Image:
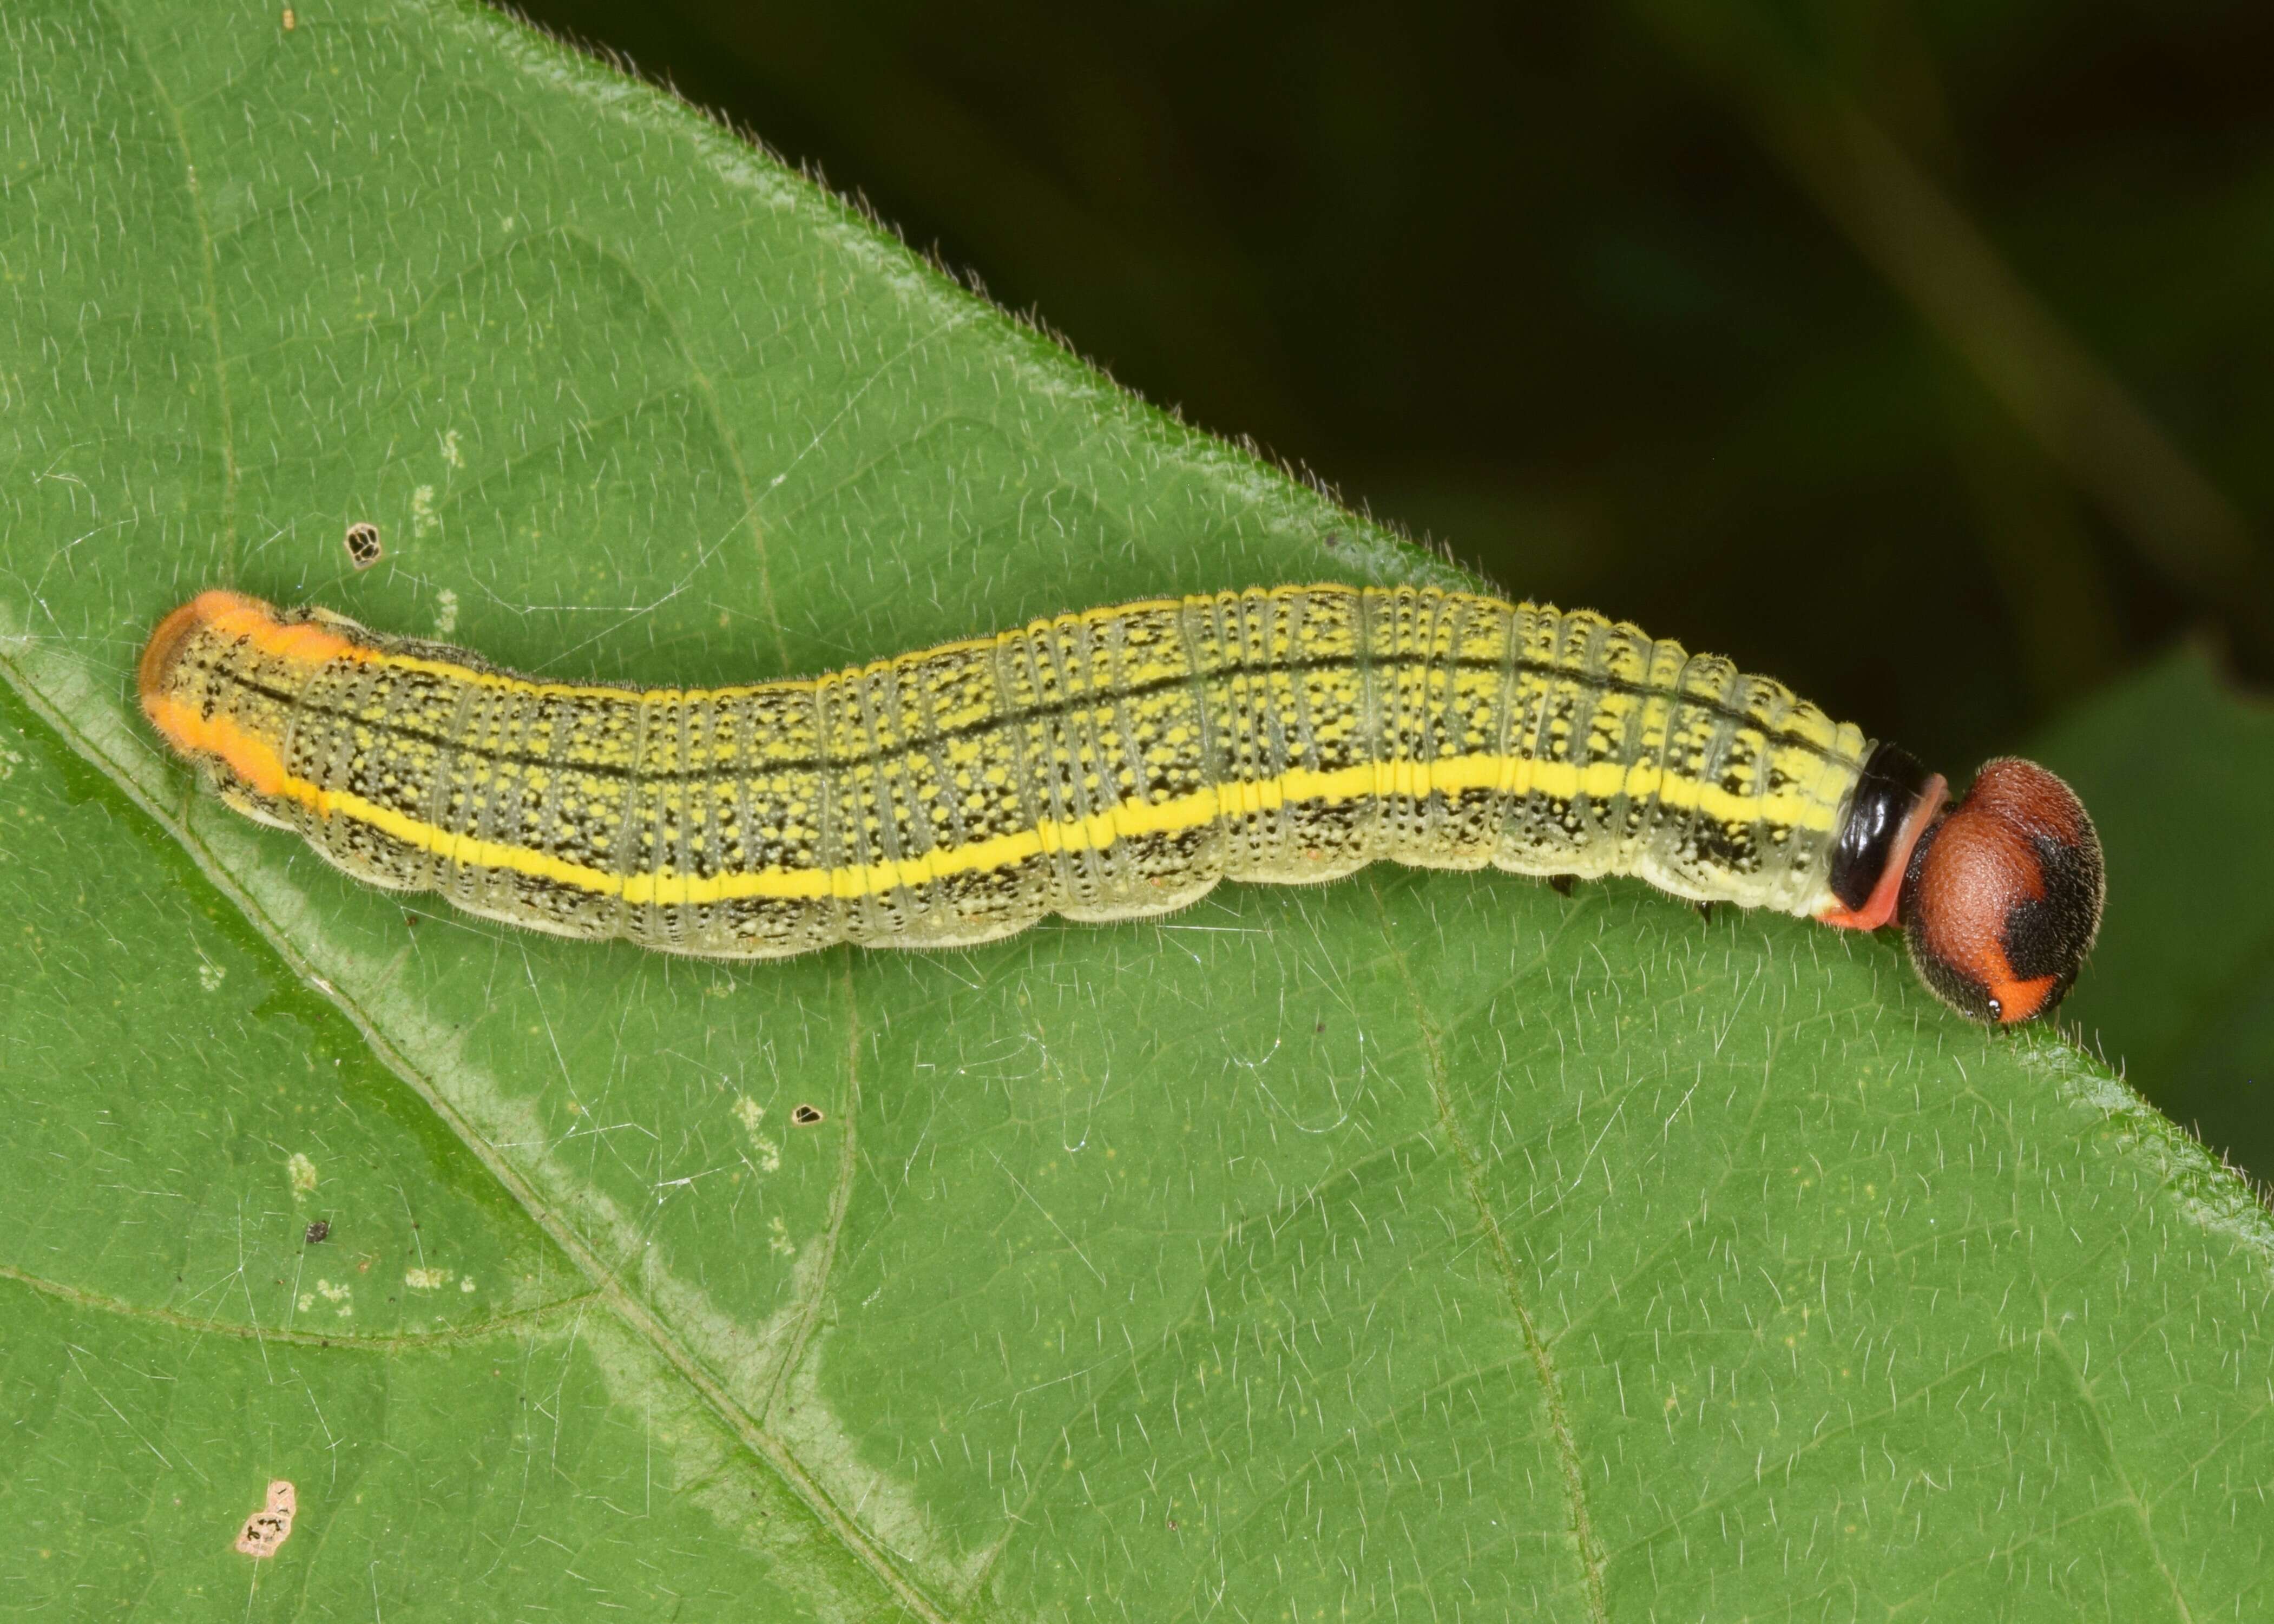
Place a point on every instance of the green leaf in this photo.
(1425, 1246)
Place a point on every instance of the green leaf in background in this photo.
(1425, 1246)
(2178, 770)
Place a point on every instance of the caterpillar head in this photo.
(2001, 898)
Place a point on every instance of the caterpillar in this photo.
(1116, 763)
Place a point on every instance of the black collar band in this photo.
(1892, 783)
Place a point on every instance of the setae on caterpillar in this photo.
(1116, 763)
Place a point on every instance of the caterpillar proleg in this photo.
(1116, 763)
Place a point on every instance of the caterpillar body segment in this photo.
(1103, 766)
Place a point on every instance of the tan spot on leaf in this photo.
(271, 1526)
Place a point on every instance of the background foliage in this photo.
(1426, 1243)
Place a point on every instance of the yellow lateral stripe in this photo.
(1521, 776)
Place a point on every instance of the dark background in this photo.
(1919, 354)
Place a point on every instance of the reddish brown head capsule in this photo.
(2001, 899)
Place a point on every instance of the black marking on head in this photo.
(2051, 935)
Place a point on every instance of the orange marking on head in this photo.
(2020, 1001)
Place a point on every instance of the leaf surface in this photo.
(1421, 1246)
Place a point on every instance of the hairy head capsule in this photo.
(2001, 899)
